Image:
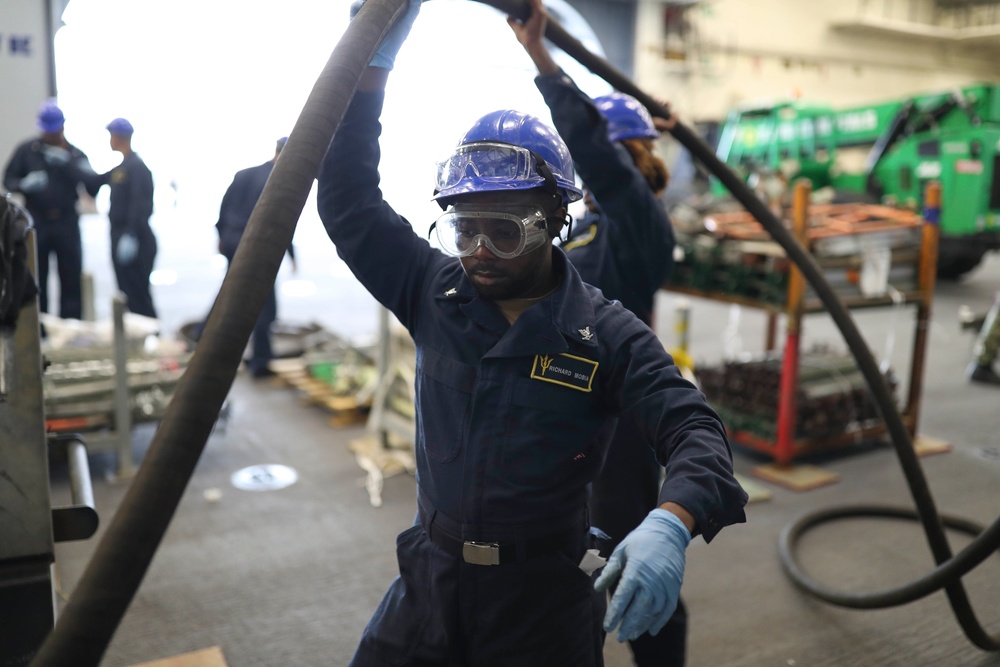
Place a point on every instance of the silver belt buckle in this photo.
(481, 553)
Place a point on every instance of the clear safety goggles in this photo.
(488, 161)
(506, 231)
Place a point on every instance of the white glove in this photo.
(128, 247)
(56, 155)
(34, 181)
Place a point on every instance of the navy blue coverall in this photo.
(131, 206)
(234, 213)
(626, 250)
(513, 423)
(56, 221)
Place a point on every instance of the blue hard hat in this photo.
(627, 117)
(120, 127)
(50, 117)
(508, 150)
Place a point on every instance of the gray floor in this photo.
(290, 577)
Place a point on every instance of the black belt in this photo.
(500, 552)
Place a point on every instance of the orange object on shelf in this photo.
(824, 221)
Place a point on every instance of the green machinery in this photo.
(887, 152)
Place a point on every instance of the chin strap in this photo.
(566, 220)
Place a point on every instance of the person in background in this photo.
(17, 285)
(234, 213)
(49, 172)
(133, 244)
(987, 347)
(521, 372)
(624, 246)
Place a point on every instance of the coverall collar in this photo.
(552, 326)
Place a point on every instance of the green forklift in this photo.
(886, 153)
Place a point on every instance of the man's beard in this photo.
(498, 287)
(501, 284)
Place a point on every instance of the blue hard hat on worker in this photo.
(507, 150)
(120, 127)
(51, 118)
(627, 117)
(504, 151)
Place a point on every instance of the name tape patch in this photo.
(566, 370)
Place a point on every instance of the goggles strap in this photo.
(569, 225)
(543, 170)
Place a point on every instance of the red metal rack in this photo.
(811, 225)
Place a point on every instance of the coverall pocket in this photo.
(553, 435)
(444, 392)
(400, 622)
(572, 569)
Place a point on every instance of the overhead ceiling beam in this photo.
(952, 4)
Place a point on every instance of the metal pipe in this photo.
(123, 408)
(930, 235)
(79, 520)
(81, 489)
(788, 394)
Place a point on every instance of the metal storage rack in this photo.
(105, 388)
(751, 271)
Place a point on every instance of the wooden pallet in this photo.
(345, 410)
(209, 657)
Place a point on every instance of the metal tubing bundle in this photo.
(832, 396)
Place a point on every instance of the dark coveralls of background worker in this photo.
(234, 213)
(133, 244)
(522, 370)
(48, 171)
(624, 246)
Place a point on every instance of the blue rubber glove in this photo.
(34, 181)
(385, 57)
(127, 249)
(650, 562)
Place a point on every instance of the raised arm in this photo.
(378, 245)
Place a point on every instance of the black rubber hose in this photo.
(951, 570)
(899, 435)
(88, 622)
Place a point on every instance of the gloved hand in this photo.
(650, 562)
(34, 181)
(128, 247)
(385, 57)
(56, 155)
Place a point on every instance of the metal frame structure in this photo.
(29, 524)
(785, 447)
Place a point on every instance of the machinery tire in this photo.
(953, 265)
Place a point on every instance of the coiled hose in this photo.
(947, 574)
